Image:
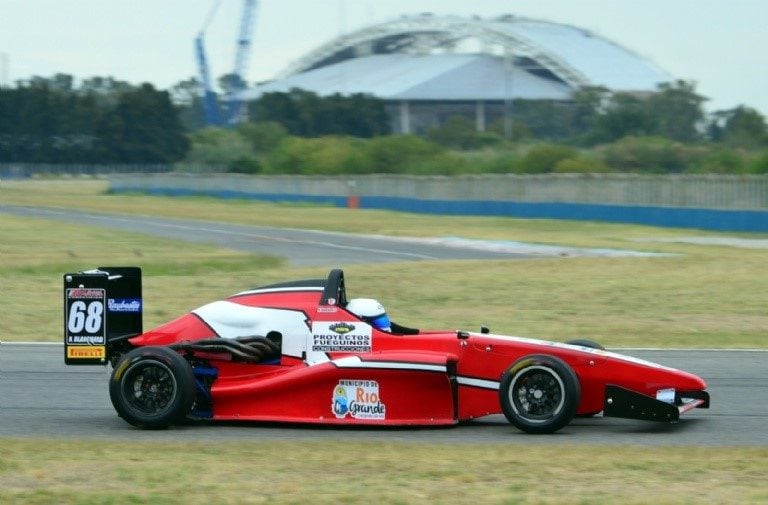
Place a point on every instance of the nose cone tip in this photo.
(694, 383)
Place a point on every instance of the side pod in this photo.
(621, 402)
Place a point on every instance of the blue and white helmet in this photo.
(370, 311)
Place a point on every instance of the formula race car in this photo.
(301, 352)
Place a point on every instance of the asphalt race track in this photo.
(40, 396)
(302, 247)
(299, 247)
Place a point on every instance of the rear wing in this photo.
(102, 309)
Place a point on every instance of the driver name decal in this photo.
(358, 399)
(340, 337)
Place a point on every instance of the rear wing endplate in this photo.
(100, 307)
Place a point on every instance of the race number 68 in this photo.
(85, 316)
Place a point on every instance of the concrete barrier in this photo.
(717, 202)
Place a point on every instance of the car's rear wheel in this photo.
(152, 387)
(539, 394)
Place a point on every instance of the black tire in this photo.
(585, 342)
(539, 394)
(152, 387)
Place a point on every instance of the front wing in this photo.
(622, 402)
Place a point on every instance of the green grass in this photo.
(92, 195)
(702, 296)
(91, 471)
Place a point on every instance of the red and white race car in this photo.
(297, 352)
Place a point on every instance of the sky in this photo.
(719, 45)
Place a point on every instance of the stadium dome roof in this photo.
(429, 57)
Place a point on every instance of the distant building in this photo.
(429, 67)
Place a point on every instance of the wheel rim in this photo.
(149, 387)
(537, 393)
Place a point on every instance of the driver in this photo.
(370, 311)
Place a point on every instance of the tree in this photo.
(649, 154)
(400, 153)
(543, 119)
(625, 115)
(105, 86)
(230, 83)
(306, 114)
(263, 137)
(280, 108)
(219, 148)
(49, 120)
(321, 155)
(150, 129)
(745, 127)
(585, 113)
(186, 95)
(457, 132)
(678, 111)
(544, 158)
(358, 115)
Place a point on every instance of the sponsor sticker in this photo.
(87, 352)
(358, 399)
(85, 293)
(124, 304)
(341, 337)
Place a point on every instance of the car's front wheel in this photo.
(539, 394)
(152, 387)
(585, 342)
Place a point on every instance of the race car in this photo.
(301, 352)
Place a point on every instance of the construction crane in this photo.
(233, 99)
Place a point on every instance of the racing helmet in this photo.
(370, 311)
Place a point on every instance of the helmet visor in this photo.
(381, 322)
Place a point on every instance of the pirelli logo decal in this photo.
(87, 352)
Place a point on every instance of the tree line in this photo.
(102, 120)
(50, 120)
(598, 131)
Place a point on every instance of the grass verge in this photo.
(702, 296)
(90, 471)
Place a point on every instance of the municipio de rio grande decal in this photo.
(358, 399)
